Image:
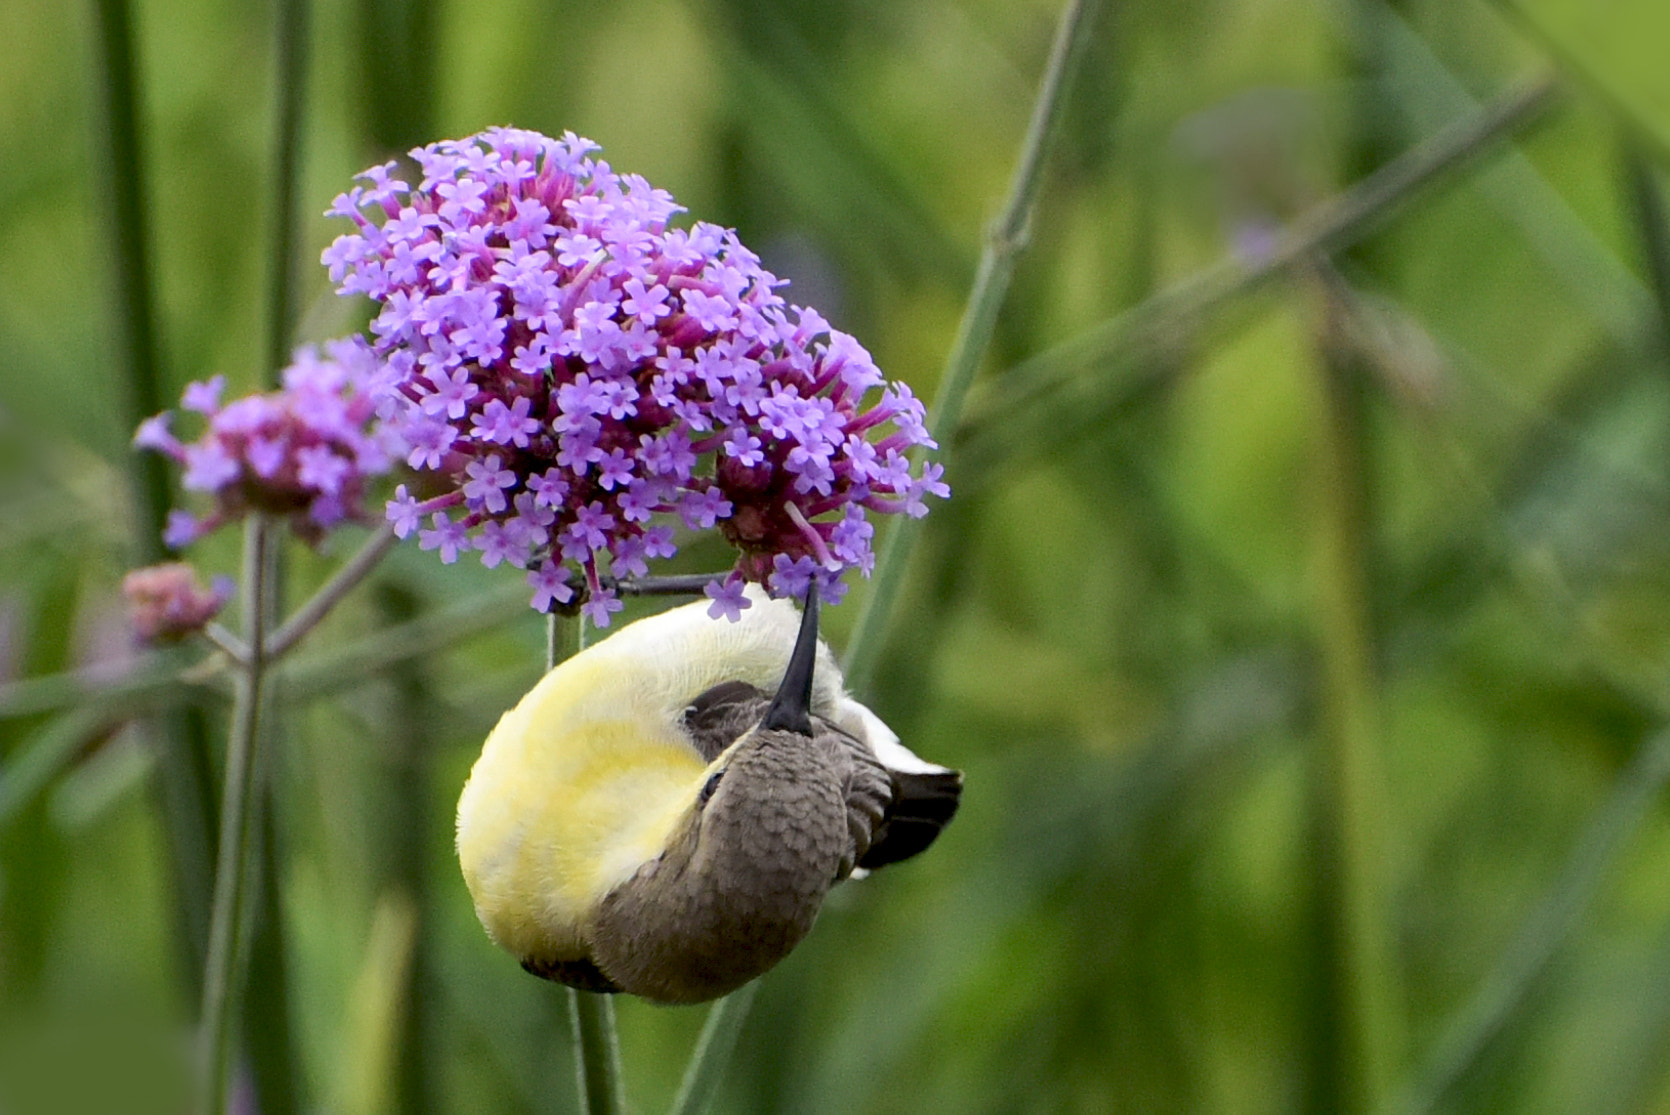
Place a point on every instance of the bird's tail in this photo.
(923, 803)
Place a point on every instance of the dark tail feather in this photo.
(923, 804)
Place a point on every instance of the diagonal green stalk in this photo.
(1047, 399)
(94, 687)
(596, 1047)
(1491, 1007)
(237, 824)
(713, 1050)
(1004, 244)
(1653, 228)
(168, 679)
(318, 606)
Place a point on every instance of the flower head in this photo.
(167, 602)
(304, 451)
(580, 375)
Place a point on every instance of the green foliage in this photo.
(1402, 507)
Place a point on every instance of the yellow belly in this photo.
(558, 813)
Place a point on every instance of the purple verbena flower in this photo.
(728, 599)
(446, 536)
(304, 452)
(550, 585)
(581, 377)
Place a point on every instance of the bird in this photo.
(665, 811)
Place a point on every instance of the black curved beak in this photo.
(790, 709)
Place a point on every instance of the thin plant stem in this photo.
(1004, 244)
(1653, 229)
(1046, 400)
(1347, 782)
(1522, 965)
(414, 1075)
(343, 581)
(275, 1073)
(597, 1069)
(266, 1001)
(678, 584)
(597, 1053)
(168, 679)
(1005, 241)
(237, 824)
(181, 739)
(95, 686)
(290, 88)
(228, 642)
(130, 239)
(330, 671)
(713, 1050)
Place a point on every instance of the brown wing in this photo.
(890, 821)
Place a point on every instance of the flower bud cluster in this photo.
(167, 602)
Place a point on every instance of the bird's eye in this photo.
(708, 787)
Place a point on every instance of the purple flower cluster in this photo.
(304, 451)
(581, 377)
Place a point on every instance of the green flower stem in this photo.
(331, 671)
(1004, 244)
(596, 1046)
(237, 824)
(597, 1053)
(275, 1072)
(227, 642)
(308, 616)
(168, 679)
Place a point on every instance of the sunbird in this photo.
(664, 812)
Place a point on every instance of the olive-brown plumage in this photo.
(799, 788)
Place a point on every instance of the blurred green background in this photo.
(1303, 641)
